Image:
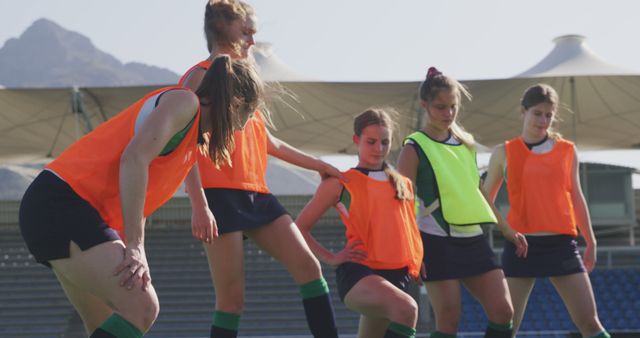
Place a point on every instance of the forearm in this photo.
(133, 186)
(193, 187)
(584, 220)
(501, 223)
(322, 253)
(287, 153)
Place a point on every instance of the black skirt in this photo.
(455, 258)
(238, 210)
(554, 255)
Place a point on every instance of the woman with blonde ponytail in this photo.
(231, 201)
(383, 250)
(440, 160)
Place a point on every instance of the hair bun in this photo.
(433, 71)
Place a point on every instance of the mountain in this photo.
(47, 55)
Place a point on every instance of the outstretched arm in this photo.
(287, 153)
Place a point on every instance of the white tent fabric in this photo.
(282, 178)
(36, 123)
(601, 101)
(605, 99)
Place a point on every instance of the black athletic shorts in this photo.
(52, 215)
(349, 274)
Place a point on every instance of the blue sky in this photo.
(353, 40)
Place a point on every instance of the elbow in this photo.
(131, 158)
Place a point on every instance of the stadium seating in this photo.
(32, 303)
(617, 293)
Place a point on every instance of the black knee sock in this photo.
(225, 325)
(498, 330)
(219, 332)
(318, 309)
(100, 333)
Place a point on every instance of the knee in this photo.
(230, 300)
(306, 269)
(447, 317)
(405, 311)
(501, 313)
(143, 310)
(151, 311)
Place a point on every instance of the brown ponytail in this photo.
(380, 117)
(232, 90)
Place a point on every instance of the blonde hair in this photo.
(218, 15)
(381, 117)
(543, 93)
(436, 82)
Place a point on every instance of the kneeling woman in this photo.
(384, 249)
(84, 215)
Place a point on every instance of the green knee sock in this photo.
(498, 330)
(399, 330)
(438, 334)
(602, 334)
(225, 325)
(120, 327)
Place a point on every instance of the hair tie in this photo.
(433, 71)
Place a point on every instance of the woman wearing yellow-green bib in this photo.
(440, 159)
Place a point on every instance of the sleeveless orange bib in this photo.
(540, 187)
(91, 166)
(385, 225)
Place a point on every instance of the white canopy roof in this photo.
(605, 99)
(573, 57)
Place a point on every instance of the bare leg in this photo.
(490, 289)
(577, 295)
(283, 241)
(520, 289)
(445, 300)
(372, 327)
(91, 271)
(226, 264)
(375, 297)
(92, 310)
